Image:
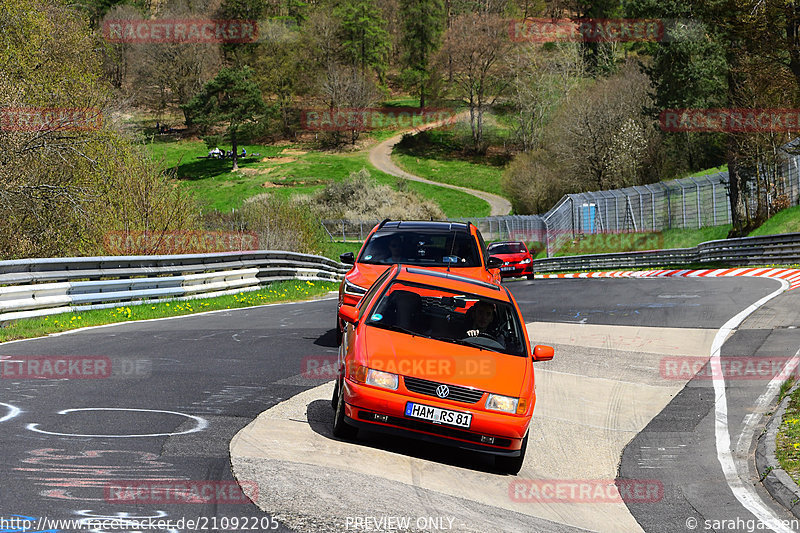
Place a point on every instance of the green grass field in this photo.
(440, 159)
(788, 439)
(286, 171)
(629, 242)
(786, 221)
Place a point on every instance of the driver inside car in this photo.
(480, 319)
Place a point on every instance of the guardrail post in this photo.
(344, 238)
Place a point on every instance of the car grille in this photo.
(428, 388)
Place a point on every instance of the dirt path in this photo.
(381, 157)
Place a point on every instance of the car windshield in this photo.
(457, 249)
(506, 248)
(458, 318)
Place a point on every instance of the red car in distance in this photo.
(517, 259)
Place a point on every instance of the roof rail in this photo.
(384, 221)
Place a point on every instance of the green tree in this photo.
(365, 42)
(423, 24)
(742, 55)
(64, 183)
(231, 98)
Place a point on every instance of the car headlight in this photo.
(495, 402)
(352, 288)
(385, 380)
(525, 261)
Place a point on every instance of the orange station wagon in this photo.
(440, 357)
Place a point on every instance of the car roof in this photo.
(424, 225)
(450, 281)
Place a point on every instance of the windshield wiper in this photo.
(471, 345)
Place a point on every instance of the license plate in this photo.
(506, 269)
(438, 416)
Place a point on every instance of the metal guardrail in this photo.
(38, 287)
(767, 250)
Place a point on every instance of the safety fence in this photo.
(751, 251)
(510, 227)
(37, 287)
(693, 202)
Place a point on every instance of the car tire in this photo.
(338, 333)
(335, 397)
(530, 276)
(512, 465)
(342, 429)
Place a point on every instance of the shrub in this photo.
(359, 197)
(281, 225)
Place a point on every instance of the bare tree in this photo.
(476, 50)
(345, 90)
(599, 138)
(157, 75)
(601, 134)
(541, 78)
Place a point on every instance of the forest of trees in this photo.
(584, 115)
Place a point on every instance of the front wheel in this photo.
(512, 465)
(335, 397)
(342, 429)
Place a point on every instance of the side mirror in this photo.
(493, 262)
(543, 353)
(348, 313)
(348, 258)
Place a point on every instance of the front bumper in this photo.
(518, 270)
(363, 403)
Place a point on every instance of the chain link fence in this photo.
(529, 228)
(693, 202)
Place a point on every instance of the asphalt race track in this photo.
(185, 394)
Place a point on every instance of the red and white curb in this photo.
(791, 275)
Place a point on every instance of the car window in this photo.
(506, 248)
(458, 318)
(423, 248)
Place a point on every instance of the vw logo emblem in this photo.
(442, 391)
